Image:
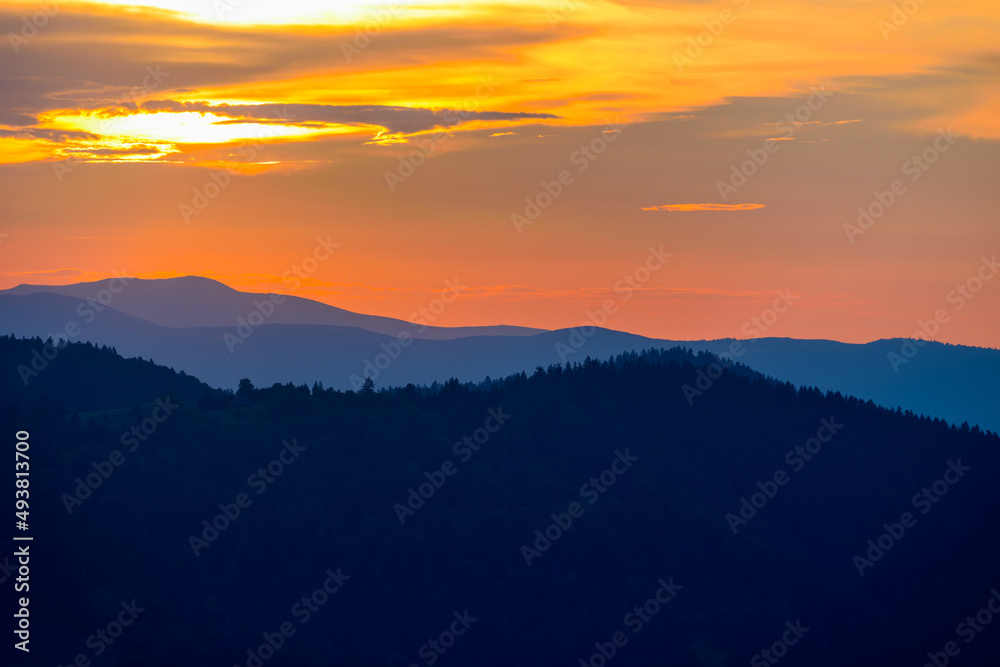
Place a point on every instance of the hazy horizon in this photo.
(588, 322)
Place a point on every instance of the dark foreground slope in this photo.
(630, 483)
(83, 376)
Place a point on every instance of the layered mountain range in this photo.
(220, 335)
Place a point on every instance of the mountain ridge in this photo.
(956, 383)
(191, 301)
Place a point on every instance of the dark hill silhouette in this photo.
(663, 473)
(956, 382)
(82, 377)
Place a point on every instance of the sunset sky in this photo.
(532, 151)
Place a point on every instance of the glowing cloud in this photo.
(704, 207)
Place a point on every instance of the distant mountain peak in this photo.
(197, 301)
(179, 281)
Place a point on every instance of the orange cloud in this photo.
(704, 207)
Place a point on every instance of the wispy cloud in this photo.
(55, 272)
(392, 118)
(703, 207)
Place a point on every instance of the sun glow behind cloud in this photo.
(309, 12)
(602, 61)
(184, 127)
(15, 149)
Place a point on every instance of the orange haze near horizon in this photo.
(539, 153)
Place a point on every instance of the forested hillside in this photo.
(541, 519)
